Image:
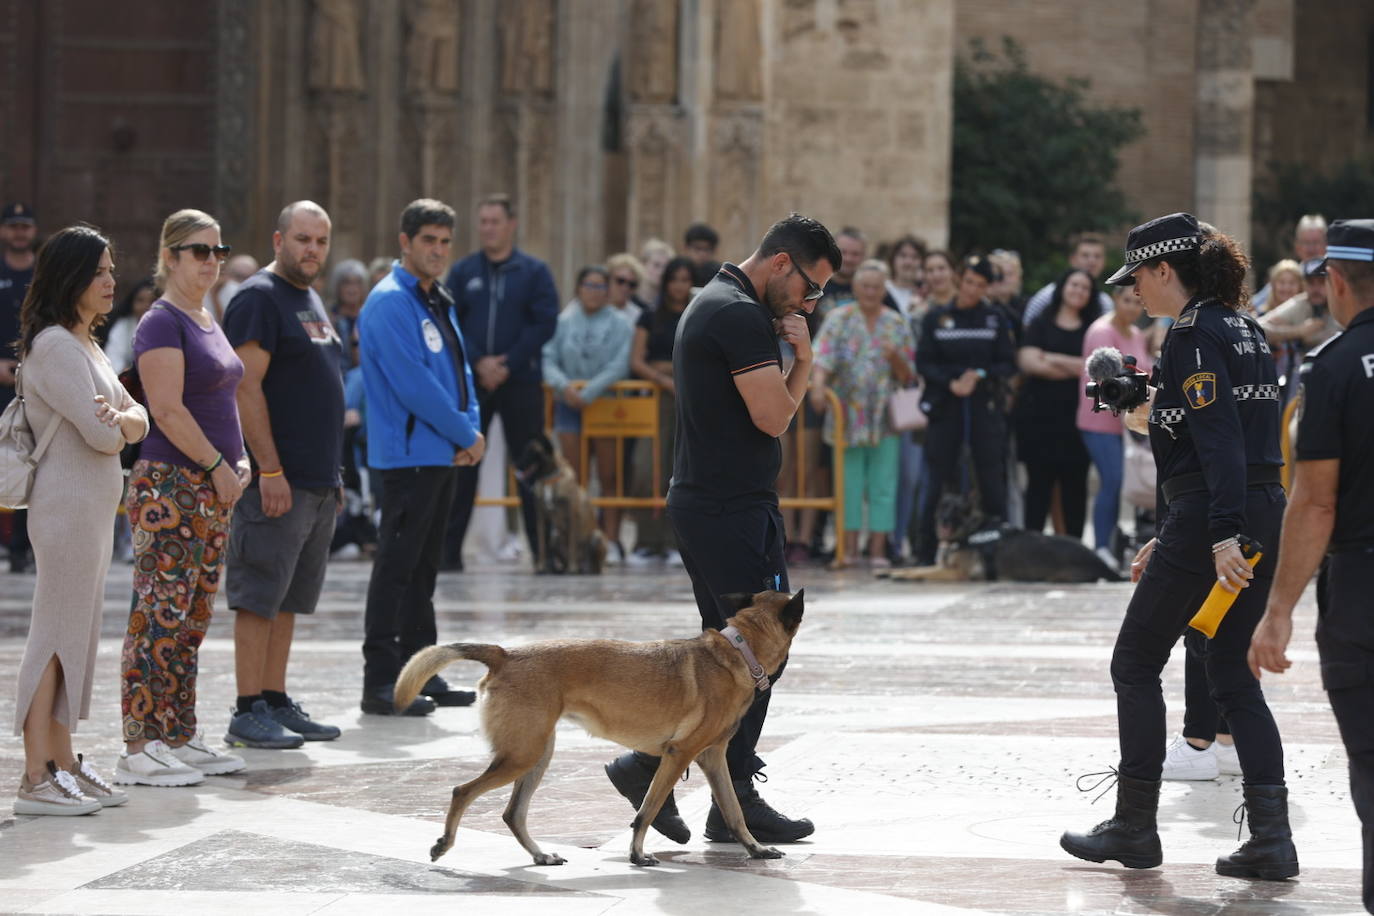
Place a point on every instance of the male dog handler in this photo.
(1332, 514)
(733, 403)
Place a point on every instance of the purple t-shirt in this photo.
(213, 371)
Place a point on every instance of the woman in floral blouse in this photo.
(864, 353)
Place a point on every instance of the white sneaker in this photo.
(57, 795)
(93, 785)
(1228, 763)
(1106, 556)
(642, 557)
(207, 760)
(1183, 762)
(155, 765)
(674, 558)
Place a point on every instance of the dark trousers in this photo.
(521, 406)
(1072, 477)
(1177, 580)
(399, 620)
(987, 438)
(1201, 718)
(1345, 639)
(725, 553)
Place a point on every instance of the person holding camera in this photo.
(1214, 430)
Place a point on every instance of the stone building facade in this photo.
(612, 121)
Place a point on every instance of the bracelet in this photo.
(219, 459)
(277, 473)
(1219, 546)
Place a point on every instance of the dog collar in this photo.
(736, 639)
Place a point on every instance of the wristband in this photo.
(1219, 546)
(219, 459)
(277, 473)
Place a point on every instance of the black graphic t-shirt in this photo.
(304, 381)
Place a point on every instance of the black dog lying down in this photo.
(974, 547)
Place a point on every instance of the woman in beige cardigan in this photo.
(76, 491)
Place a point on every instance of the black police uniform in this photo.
(953, 340)
(1214, 431)
(1337, 407)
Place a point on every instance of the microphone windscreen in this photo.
(1104, 363)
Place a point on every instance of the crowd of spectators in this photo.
(1001, 372)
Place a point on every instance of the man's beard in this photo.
(291, 270)
(774, 299)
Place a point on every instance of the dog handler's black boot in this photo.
(1269, 853)
(631, 775)
(766, 824)
(1131, 836)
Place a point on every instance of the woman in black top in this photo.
(1047, 440)
(651, 359)
(1214, 431)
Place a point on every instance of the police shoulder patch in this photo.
(1187, 319)
(1200, 389)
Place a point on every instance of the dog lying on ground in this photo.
(567, 540)
(679, 699)
(974, 548)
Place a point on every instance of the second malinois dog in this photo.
(679, 699)
(974, 548)
(567, 539)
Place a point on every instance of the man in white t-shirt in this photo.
(1090, 255)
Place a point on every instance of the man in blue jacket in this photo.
(507, 306)
(422, 424)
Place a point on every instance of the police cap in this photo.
(1349, 240)
(983, 268)
(1161, 236)
(17, 213)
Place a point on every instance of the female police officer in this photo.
(1214, 430)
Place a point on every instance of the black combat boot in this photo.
(1269, 853)
(631, 775)
(766, 824)
(1130, 836)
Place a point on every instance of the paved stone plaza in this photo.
(932, 733)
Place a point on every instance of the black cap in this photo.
(17, 213)
(1161, 236)
(1348, 240)
(983, 268)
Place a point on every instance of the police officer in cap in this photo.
(1332, 516)
(1214, 430)
(966, 353)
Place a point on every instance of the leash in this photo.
(736, 639)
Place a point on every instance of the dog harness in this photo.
(736, 639)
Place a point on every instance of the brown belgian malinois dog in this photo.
(679, 699)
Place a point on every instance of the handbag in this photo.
(19, 454)
(904, 409)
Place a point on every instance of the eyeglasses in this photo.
(631, 282)
(592, 285)
(814, 292)
(201, 251)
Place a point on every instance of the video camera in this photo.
(1116, 384)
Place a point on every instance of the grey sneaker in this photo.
(93, 785)
(257, 728)
(295, 719)
(200, 756)
(155, 765)
(59, 795)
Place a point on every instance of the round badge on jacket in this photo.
(433, 339)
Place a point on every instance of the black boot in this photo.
(1130, 836)
(631, 775)
(767, 825)
(1269, 853)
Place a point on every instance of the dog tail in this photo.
(428, 662)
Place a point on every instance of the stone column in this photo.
(235, 120)
(1225, 104)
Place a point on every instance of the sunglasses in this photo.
(813, 292)
(627, 281)
(201, 251)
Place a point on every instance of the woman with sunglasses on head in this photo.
(1213, 422)
(67, 379)
(191, 470)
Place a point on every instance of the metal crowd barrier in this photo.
(629, 410)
